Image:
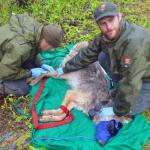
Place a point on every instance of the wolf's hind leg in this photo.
(66, 102)
(46, 118)
(58, 114)
(52, 112)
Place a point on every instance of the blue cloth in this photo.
(107, 129)
(102, 133)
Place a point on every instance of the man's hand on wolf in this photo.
(47, 68)
(38, 73)
(60, 71)
(51, 69)
(44, 71)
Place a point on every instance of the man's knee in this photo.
(143, 101)
(16, 87)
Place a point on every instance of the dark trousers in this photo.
(143, 101)
(17, 87)
(105, 62)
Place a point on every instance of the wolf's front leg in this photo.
(59, 114)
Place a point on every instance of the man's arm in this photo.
(130, 86)
(12, 60)
(84, 57)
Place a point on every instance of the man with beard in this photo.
(123, 50)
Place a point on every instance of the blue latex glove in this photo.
(47, 67)
(36, 72)
(107, 129)
(60, 72)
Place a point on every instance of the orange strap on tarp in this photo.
(38, 126)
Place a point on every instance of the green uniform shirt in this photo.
(18, 43)
(130, 57)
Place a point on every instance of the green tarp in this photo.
(79, 134)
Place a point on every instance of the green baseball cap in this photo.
(104, 10)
